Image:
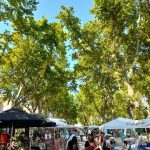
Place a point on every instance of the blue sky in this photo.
(51, 8)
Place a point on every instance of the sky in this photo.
(51, 8)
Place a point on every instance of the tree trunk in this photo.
(148, 2)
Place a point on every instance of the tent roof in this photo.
(58, 122)
(93, 126)
(125, 123)
(78, 125)
(20, 118)
(15, 114)
(119, 123)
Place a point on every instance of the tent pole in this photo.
(147, 134)
(29, 140)
(54, 132)
(11, 135)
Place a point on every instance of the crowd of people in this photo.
(66, 139)
(98, 142)
(61, 139)
(91, 140)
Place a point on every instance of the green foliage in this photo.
(33, 66)
(15, 10)
(112, 52)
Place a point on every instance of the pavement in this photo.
(81, 144)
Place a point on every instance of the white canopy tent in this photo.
(119, 123)
(78, 125)
(93, 126)
(146, 122)
(59, 122)
(143, 123)
(125, 123)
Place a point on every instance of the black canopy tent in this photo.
(21, 119)
(17, 118)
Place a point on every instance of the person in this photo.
(23, 140)
(62, 139)
(113, 143)
(86, 133)
(48, 135)
(48, 139)
(89, 132)
(73, 144)
(86, 144)
(106, 143)
(122, 136)
(66, 138)
(81, 134)
(101, 140)
(57, 142)
(139, 142)
(13, 145)
(91, 145)
(128, 133)
(116, 133)
(4, 139)
(71, 135)
(36, 135)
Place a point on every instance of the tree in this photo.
(111, 52)
(34, 67)
(12, 11)
(15, 10)
(127, 23)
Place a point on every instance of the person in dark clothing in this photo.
(86, 144)
(113, 143)
(73, 144)
(106, 144)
